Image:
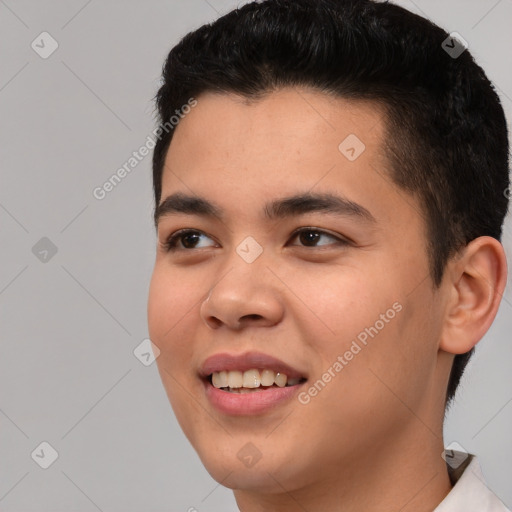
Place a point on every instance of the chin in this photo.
(245, 479)
(265, 474)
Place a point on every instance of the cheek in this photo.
(392, 360)
(343, 302)
(173, 314)
(173, 306)
(172, 295)
(368, 332)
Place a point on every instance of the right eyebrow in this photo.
(189, 205)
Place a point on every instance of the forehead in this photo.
(290, 114)
(294, 134)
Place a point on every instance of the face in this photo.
(288, 260)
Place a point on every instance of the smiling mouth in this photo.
(250, 381)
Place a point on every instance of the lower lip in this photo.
(254, 402)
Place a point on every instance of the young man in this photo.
(329, 214)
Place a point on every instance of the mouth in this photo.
(253, 380)
(250, 383)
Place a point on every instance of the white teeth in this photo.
(220, 379)
(235, 379)
(267, 377)
(280, 379)
(251, 379)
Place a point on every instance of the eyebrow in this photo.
(295, 205)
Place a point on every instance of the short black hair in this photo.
(446, 142)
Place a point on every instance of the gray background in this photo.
(70, 323)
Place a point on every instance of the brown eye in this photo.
(310, 237)
(189, 240)
(185, 239)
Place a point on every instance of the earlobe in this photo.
(477, 280)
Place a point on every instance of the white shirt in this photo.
(470, 493)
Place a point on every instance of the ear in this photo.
(476, 280)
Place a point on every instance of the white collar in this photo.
(470, 491)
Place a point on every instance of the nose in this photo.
(246, 295)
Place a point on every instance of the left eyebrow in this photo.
(295, 205)
(320, 203)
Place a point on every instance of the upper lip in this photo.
(246, 361)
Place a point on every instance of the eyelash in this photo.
(170, 244)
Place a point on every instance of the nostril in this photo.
(251, 317)
(214, 322)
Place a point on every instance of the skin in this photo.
(372, 438)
